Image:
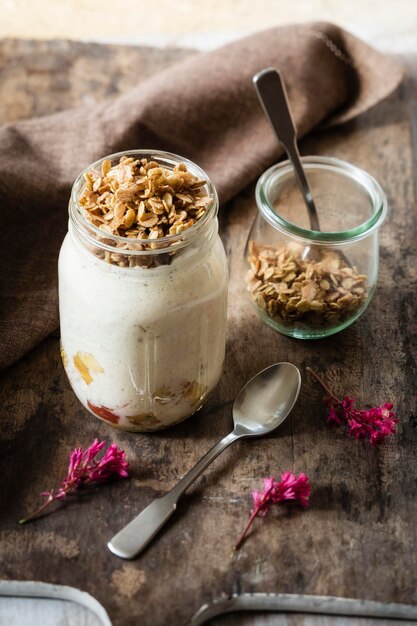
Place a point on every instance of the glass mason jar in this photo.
(143, 322)
(305, 283)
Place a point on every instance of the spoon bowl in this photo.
(266, 400)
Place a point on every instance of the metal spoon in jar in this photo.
(260, 407)
(273, 97)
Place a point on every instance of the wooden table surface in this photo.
(359, 536)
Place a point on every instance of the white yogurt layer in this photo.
(142, 347)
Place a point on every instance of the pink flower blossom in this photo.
(84, 469)
(374, 424)
(290, 487)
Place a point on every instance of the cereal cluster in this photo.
(138, 199)
(317, 290)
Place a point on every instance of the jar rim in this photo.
(165, 244)
(373, 188)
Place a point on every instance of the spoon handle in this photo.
(273, 97)
(134, 537)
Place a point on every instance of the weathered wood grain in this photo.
(358, 538)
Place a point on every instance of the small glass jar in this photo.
(143, 322)
(310, 284)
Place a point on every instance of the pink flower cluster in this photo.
(374, 424)
(85, 468)
(290, 487)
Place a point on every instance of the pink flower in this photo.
(374, 424)
(333, 417)
(85, 468)
(290, 487)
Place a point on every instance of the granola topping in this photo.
(296, 290)
(141, 199)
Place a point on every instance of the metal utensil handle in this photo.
(303, 183)
(134, 537)
(273, 97)
(309, 605)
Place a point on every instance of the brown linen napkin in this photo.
(204, 108)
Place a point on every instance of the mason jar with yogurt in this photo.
(143, 290)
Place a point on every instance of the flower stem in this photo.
(323, 384)
(38, 511)
(245, 530)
